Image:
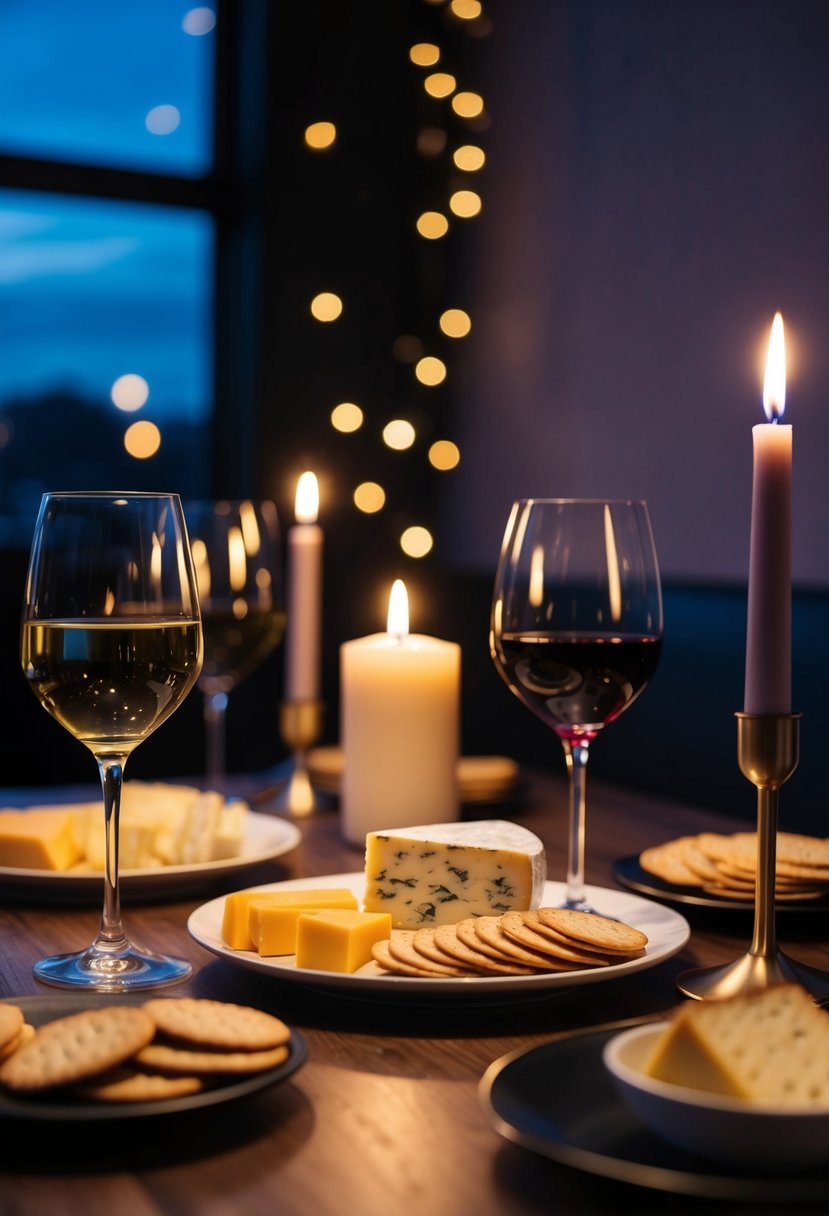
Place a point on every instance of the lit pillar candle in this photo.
(304, 596)
(399, 727)
(769, 636)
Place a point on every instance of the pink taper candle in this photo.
(769, 638)
(304, 608)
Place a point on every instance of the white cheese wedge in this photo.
(768, 1046)
(440, 873)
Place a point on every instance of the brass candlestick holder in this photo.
(300, 726)
(768, 750)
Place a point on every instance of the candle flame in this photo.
(774, 385)
(307, 505)
(536, 591)
(398, 619)
(614, 582)
(237, 566)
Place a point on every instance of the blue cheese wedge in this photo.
(441, 873)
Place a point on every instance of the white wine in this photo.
(111, 682)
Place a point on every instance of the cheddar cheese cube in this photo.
(272, 927)
(339, 940)
(38, 839)
(236, 931)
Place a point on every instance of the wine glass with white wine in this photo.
(111, 645)
(576, 628)
(237, 556)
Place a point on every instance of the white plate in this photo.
(666, 930)
(266, 837)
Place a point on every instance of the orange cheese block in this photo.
(236, 928)
(339, 940)
(39, 839)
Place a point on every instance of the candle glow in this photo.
(307, 501)
(774, 384)
(397, 621)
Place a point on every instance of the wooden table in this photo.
(384, 1117)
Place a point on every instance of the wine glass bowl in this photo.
(576, 628)
(111, 645)
(237, 557)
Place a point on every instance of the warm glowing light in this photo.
(432, 225)
(397, 621)
(416, 541)
(431, 141)
(466, 10)
(468, 105)
(162, 120)
(346, 417)
(199, 21)
(398, 434)
(407, 348)
(326, 306)
(455, 323)
(142, 440)
(236, 563)
(129, 392)
(430, 370)
(444, 455)
(424, 54)
(614, 583)
(536, 588)
(320, 135)
(440, 84)
(774, 385)
(465, 203)
(369, 497)
(469, 157)
(201, 564)
(250, 528)
(307, 501)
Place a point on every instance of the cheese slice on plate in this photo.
(440, 873)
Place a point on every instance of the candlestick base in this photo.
(300, 725)
(767, 753)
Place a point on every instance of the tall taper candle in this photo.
(769, 635)
(304, 598)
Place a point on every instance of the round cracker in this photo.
(447, 938)
(217, 1024)
(600, 932)
(382, 956)
(78, 1046)
(126, 1084)
(488, 929)
(425, 943)
(401, 947)
(522, 928)
(666, 861)
(162, 1057)
(24, 1034)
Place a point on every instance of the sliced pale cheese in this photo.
(440, 873)
(236, 919)
(38, 839)
(339, 940)
(770, 1046)
(229, 833)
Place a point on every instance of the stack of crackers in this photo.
(726, 865)
(515, 943)
(165, 1048)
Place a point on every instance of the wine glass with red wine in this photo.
(576, 628)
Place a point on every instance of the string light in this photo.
(430, 370)
(398, 434)
(440, 84)
(468, 105)
(320, 135)
(424, 54)
(369, 497)
(455, 323)
(347, 417)
(465, 203)
(142, 440)
(469, 157)
(444, 455)
(416, 541)
(326, 306)
(432, 225)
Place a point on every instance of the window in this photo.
(108, 242)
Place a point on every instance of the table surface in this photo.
(384, 1116)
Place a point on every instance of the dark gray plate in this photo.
(559, 1100)
(628, 873)
(42, 1009)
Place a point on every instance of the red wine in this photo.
(577, 684)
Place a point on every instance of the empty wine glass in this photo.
(576, 628)
(110, 645)
(237, 555)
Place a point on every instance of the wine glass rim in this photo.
(610, 502)
(111, 494)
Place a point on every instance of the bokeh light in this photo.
(369, 497)
(142, 440)
(424, 54)
(465, 204)
(444, 455)
(346, 417)
(440, 84)
(416, 541)
(162, 120)
(469, 157)
(455, 323)
(320, 135)
(129, 392)
(326, 306)
(398, 434)
(199, 20)
(432, 225)
(430, 370)
(468, 105)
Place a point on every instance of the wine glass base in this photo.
(122, 971)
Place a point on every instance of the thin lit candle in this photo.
(768, 640)
(304, 602)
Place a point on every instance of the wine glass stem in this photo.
(215, 707)
(111, 936)
(576, 753)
